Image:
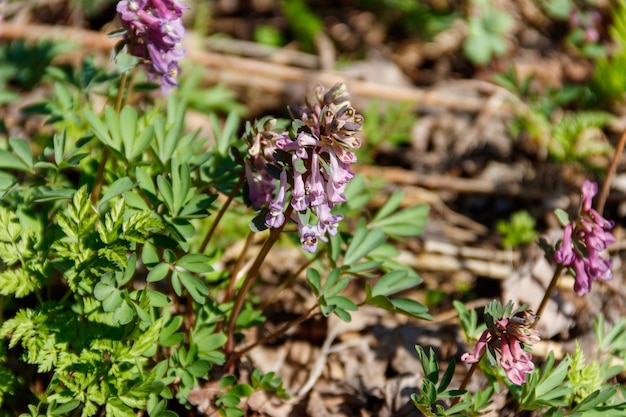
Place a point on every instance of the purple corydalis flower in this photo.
(275, 217)
(261, 147)
(316, 154)
(584, 243)
(506, 339)
(154, 32)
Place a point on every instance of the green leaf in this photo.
(159, 272)
(157, 299)
(119, 187)
(180, 184)
(364, 266)
(363, 243)
(145, 182)
(314, 279)
(412, 307)
(551, 380)
(394, 282)
(197, 206)
(240, 390)
(150, 256)
(124, 314)
(22, 150)
(64, 95)
(391, 205)
(113, 124)
(195, 262)
(166, 192)
(330, 281)
(169, 333)
(9, 161)
(197, 289)
(99, 128)
(343, 303)
(199, 368)
(65, 408)
(128, 129)
(447, 377)
(562, 216)
(207, 340)
(124, 63)
(110, 296)
(59, 141)
(141, 143)
(129, 272)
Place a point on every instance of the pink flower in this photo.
(584, 243)
(506, 339)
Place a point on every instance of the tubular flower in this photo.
(505, 339)
(260, 155)
(584, 243)
(316, 155)
(154, 32)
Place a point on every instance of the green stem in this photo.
(235, 272)
(220, 214)
(250, 278)
(97, 184)
(119, 100)
(549, 290)
(610, 173)
(466, 380)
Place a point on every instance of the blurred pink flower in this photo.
(154, 32)
(506, 339)
(584, 243)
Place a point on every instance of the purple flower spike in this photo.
(154, 32)
(316, 154)
(584, 243)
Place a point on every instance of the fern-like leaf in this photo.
(17, 282)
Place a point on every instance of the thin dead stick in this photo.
(273, 78)
(610, 173)
(448, 182)
(320, 362)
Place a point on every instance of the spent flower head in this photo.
(507, 336)
(305, 171)
(584, 243)
(154, 32)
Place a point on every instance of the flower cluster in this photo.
(584, 243)
(304, 172)
(505, 339)
(154, 31)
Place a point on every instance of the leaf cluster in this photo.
(487, 30)
(111, 303)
